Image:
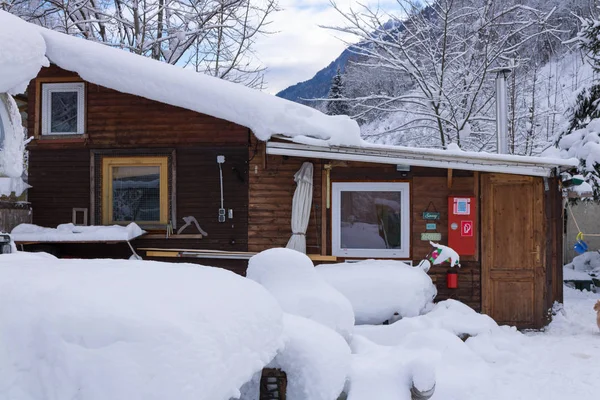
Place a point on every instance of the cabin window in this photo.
(135, 189)
(63, 108)
(370, 219)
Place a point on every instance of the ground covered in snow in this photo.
(98, 329)
(138, 330)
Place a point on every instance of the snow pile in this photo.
(449, 315)
(72, 233)
(385, 373)
(139, 330)
(588, 263)
(291, 277)
(315, 359)
(378, 289)
(22, 53)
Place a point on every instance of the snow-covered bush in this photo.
(291, 277)
(138, 330)
(588, 263)
(379, 288)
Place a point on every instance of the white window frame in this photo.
(47, 90)
(336, 216)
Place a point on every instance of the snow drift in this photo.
(291, 277)
(108, 329)
(379, 288)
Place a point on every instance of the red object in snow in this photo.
(462, 234)
(452, 279)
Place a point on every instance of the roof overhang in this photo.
(431, 158)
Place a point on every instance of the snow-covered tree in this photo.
(447, 50)
(336, 104)
(581, 138)
(215, 36)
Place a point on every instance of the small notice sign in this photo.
(431, 215)
(466, 228)
(435, 236)
(430, 227)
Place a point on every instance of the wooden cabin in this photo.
(101, 156)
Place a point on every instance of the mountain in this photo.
(318, 86)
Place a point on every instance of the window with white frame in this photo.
(370, 219)
(63, 108)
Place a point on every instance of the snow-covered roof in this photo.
(453, 158)
(266, 115)
(22, 53)
(126, 72)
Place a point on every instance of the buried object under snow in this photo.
(291, 278)
(378, 289)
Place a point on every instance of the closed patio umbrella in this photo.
(301, 205)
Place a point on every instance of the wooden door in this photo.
(513, 275)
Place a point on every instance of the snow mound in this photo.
(139, 330)
(291, 277)
(72, 233)
(22, 53)
(449, 315)
(588, 263)
(379, 288)
(315, 358)
(385, 373)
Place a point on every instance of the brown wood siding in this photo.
(272, 188)
(120, 120)
(60, 181)
(270, 198)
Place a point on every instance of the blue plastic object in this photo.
(580, 246)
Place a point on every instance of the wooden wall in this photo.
(270, 201)
(123, 124)
(272, 188)
(115, 119)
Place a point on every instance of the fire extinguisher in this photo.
(452, 278)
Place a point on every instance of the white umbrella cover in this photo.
(301, 205)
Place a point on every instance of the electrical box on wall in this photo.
(462, 227)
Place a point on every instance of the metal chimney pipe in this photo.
(502, 111)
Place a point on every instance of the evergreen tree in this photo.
(337, 106)
(581, 138)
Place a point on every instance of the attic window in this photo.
(63, 108)
(370, 219)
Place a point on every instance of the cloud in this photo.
(300, 47)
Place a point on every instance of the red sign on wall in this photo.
(462, 215)
(466, 228)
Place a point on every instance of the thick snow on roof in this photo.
(22, 53)
(126, 72)
(138, 330)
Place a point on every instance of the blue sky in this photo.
(300, 48)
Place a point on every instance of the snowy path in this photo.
(561, 363)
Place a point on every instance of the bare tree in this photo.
(447, 50)
(218, 34)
